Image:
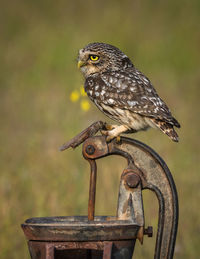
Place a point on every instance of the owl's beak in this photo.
(81, 63)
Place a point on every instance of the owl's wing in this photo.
(130, 90)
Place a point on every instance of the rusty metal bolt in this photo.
(132, 180)
(148, 231)
(90, 150)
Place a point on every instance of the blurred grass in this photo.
(38, 47)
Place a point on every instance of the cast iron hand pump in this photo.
(111, 237)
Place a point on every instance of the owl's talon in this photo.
(115, 133)
(109, 138)
(110, 127)
(118, 138)
(104, 132)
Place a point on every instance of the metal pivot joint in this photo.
(113, 237)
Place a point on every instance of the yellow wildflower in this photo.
(85, 105)
(74, 96)
(82, 91)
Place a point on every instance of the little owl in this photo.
(122, 92)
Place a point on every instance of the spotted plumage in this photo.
(122, 92)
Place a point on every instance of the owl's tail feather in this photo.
(176, 123)
(168, 129)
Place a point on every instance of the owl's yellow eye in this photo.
(94, 57)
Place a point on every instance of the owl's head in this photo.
(101, 57)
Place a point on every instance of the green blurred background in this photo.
(39, 42)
